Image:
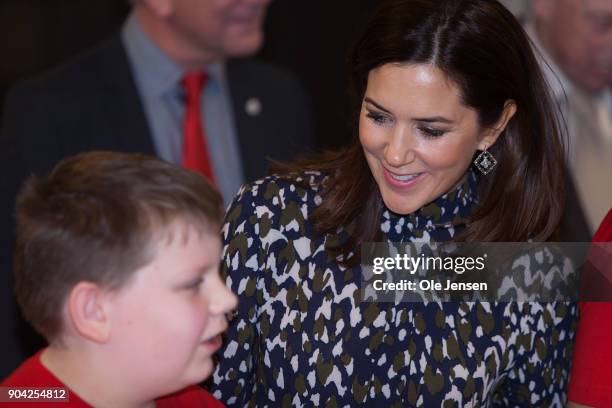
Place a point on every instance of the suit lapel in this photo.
(248, 128)
(130, 132)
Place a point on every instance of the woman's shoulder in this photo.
(282, 190)
(277, 201)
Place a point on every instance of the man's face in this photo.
(578, 35)
(220, 28)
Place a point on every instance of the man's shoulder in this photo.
(76, 76)
(283, 117)
(262, 73)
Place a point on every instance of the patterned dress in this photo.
(301, 337)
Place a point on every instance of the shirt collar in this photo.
(154, 70)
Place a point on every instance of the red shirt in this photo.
(33, 374)
(591, 378)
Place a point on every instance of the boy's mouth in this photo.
(214, 343)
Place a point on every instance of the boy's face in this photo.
(167, 322)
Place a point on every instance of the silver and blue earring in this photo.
(485, 162)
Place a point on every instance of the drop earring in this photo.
(485, 162)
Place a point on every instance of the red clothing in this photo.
(33, 374)
(591, 378)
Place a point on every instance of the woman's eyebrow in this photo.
(432, 119)
(438, 119)
(377, 105)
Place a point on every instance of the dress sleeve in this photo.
(241, 267)
(542, 353)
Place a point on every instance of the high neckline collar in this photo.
(447, 211)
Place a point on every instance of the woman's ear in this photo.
(490, 136)
(87, 311)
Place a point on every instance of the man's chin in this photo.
(244, 46)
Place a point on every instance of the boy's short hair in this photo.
(97, 217)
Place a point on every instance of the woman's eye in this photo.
(377, 118)
(431, 132)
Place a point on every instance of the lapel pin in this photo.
(253, 106)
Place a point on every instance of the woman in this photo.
(436, 83)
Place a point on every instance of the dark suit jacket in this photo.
(92, 103)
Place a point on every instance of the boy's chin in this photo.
(197, 371)
(201, 373)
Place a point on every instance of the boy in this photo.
(117, 267)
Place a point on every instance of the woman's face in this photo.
(417, 135)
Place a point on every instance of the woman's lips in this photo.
(403, 181)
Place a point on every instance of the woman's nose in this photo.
(400, 148)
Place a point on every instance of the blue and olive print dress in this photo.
(301, 338)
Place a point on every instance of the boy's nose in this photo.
(223, 300)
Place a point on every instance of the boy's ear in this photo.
(491, 135)
(87, 312)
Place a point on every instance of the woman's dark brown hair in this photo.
(480, 46)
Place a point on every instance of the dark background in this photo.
(310, 38)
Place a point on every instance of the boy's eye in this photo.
(431, 132)
(377, 118)
(195, 285)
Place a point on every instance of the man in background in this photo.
(170, 83)
(575, 40)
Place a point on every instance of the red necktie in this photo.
(195, 151)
